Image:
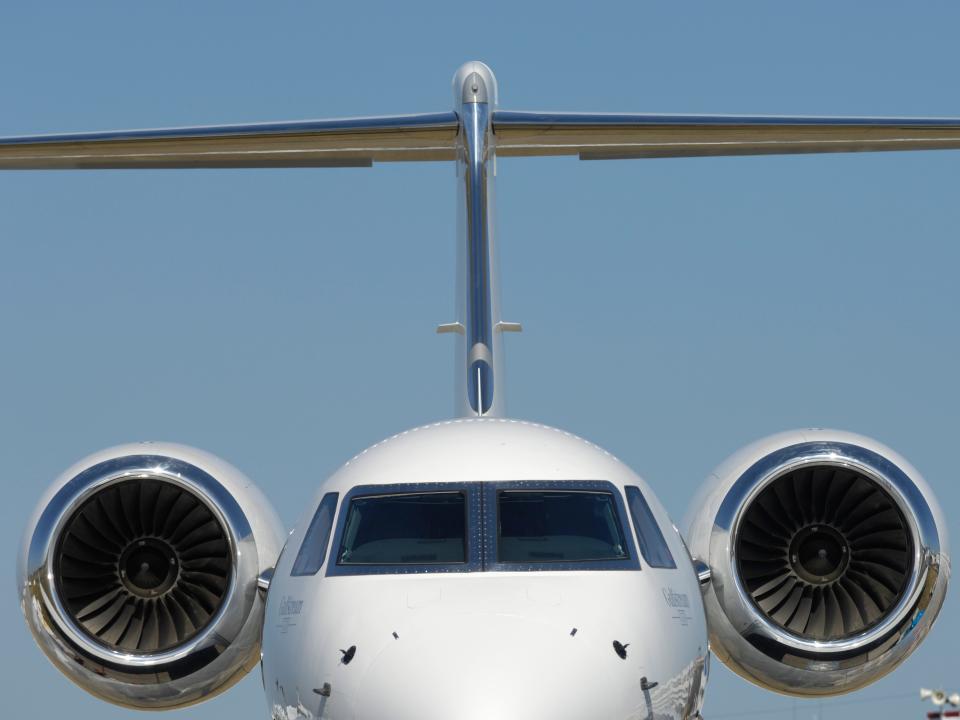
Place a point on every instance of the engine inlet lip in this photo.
(920, 523)
(229, 618)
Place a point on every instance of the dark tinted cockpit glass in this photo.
(652, 545)
(557, 526)
(314, 547)
(409, 529)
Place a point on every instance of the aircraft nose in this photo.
(503, 666)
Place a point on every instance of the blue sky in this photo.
(674, 310)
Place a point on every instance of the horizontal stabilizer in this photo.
(351, 142)
(617, 136)
(359, 142)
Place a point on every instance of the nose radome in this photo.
(503, 667)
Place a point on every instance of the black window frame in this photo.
(648, 529)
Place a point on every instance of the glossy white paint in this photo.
(485, 644)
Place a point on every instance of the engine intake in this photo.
(828, 561)
(139, 576)
(824, 552)
(143, 566)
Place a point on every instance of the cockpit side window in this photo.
(557, 526)
(652, 545)
(313, 550)
(405, 529)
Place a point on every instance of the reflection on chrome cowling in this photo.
(139, 576)
(828, 559)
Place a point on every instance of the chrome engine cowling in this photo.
(138, 574)
(828, 561)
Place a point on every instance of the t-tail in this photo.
(472, 135)
(147, 570)
(479, 346)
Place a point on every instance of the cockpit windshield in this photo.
(478, 526)
(410, 529)
(557, 526)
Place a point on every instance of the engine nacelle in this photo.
(138, 574)
(828, 561)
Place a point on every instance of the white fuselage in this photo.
(439, 643)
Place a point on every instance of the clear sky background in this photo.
(674, 310)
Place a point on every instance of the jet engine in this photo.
(823, 560)
(138, 574)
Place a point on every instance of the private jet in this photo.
(482, 566)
